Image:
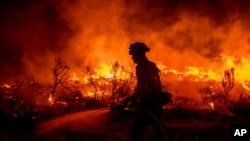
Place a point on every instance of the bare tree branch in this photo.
(228, 82)
(60, 73)
(91, 80)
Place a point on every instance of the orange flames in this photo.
(242, 67)
(75, 77)
(191, 42)
(241, 71)
(106, 71)
(104, 74)
(198, 73)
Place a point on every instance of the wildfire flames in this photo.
(106, 71)
(203, 42)
(202, 74)
(104, 74)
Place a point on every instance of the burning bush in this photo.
(110, 81)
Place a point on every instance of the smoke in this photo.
(201, 29)
(31, 32)
(180, 32)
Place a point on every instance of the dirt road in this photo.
(98, 124)
(103, 125)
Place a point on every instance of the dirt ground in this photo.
(101, 125)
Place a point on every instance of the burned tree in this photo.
(228, 82)
(211, 95)
(121, 86)
(111, 81)
(125, 87)
(60, 73)
(90, 74)
(115, 67)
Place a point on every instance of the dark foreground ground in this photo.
(103, 125)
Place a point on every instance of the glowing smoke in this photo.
(180, 33)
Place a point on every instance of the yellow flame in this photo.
(106, 71)
(75, 77)
(191, 73)
(85, 80)
(241, 71)
(229, 61)
(90, 94)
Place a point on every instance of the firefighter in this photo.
(146, 93)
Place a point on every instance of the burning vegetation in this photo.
(201, 48)
(110, 83)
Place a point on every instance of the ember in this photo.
(212, 105)
(6, 86)
(51, 100)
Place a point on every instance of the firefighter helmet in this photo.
(138, 47)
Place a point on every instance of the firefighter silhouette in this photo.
(146, 92)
